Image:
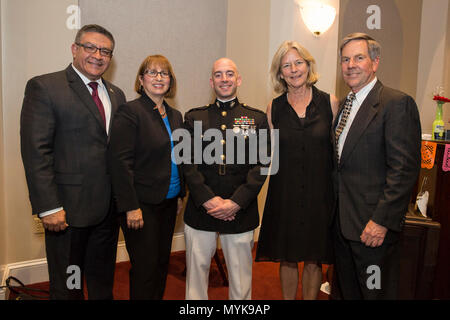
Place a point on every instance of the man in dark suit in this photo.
(64, 135)
(378, 137)
(223, 195)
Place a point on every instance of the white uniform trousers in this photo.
(200, 249)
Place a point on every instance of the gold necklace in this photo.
(303, 114)
(163, 114)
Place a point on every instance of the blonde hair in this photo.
(279, 85)
(160, 61)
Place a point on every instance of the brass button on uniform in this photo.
(223, 127)
(222, 142)
(222, 157)
(224, 113)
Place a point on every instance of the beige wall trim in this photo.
(2, 291)
(33, 271)
(122, 254)
(178, 244)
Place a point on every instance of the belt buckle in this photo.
(222, 170)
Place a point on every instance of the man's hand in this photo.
(226, 211)
(212, 203)
(134, 219)
(373, 234)
(55, 222)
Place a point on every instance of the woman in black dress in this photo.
(298, 209)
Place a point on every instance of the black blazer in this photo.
(64, 144)
(239, 182)
(140, 153)
(380, 162)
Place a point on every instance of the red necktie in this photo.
(98, 102)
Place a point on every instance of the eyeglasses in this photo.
(154, 73)
(296, 63)
(90, 48)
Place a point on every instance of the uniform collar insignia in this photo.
(227, 105)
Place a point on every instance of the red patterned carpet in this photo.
(266, 284)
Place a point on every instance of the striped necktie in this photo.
(345, 113)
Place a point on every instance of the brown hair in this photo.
(373, 47)
(161, 61)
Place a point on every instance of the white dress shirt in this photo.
(360, 97)
(104, 97)
(102, 94)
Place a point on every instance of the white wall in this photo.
(286, 24)
(432, 73)
(247, 45)
(256, 28)
(191, 34)
(2, 154)
(35, 40)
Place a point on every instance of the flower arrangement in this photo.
(438, 123)
(441, 99)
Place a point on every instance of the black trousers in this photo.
(358, 266)
(92, 250)
(149, 249)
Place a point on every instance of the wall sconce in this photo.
(318, 17)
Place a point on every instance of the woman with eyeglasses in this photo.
(147, 184)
